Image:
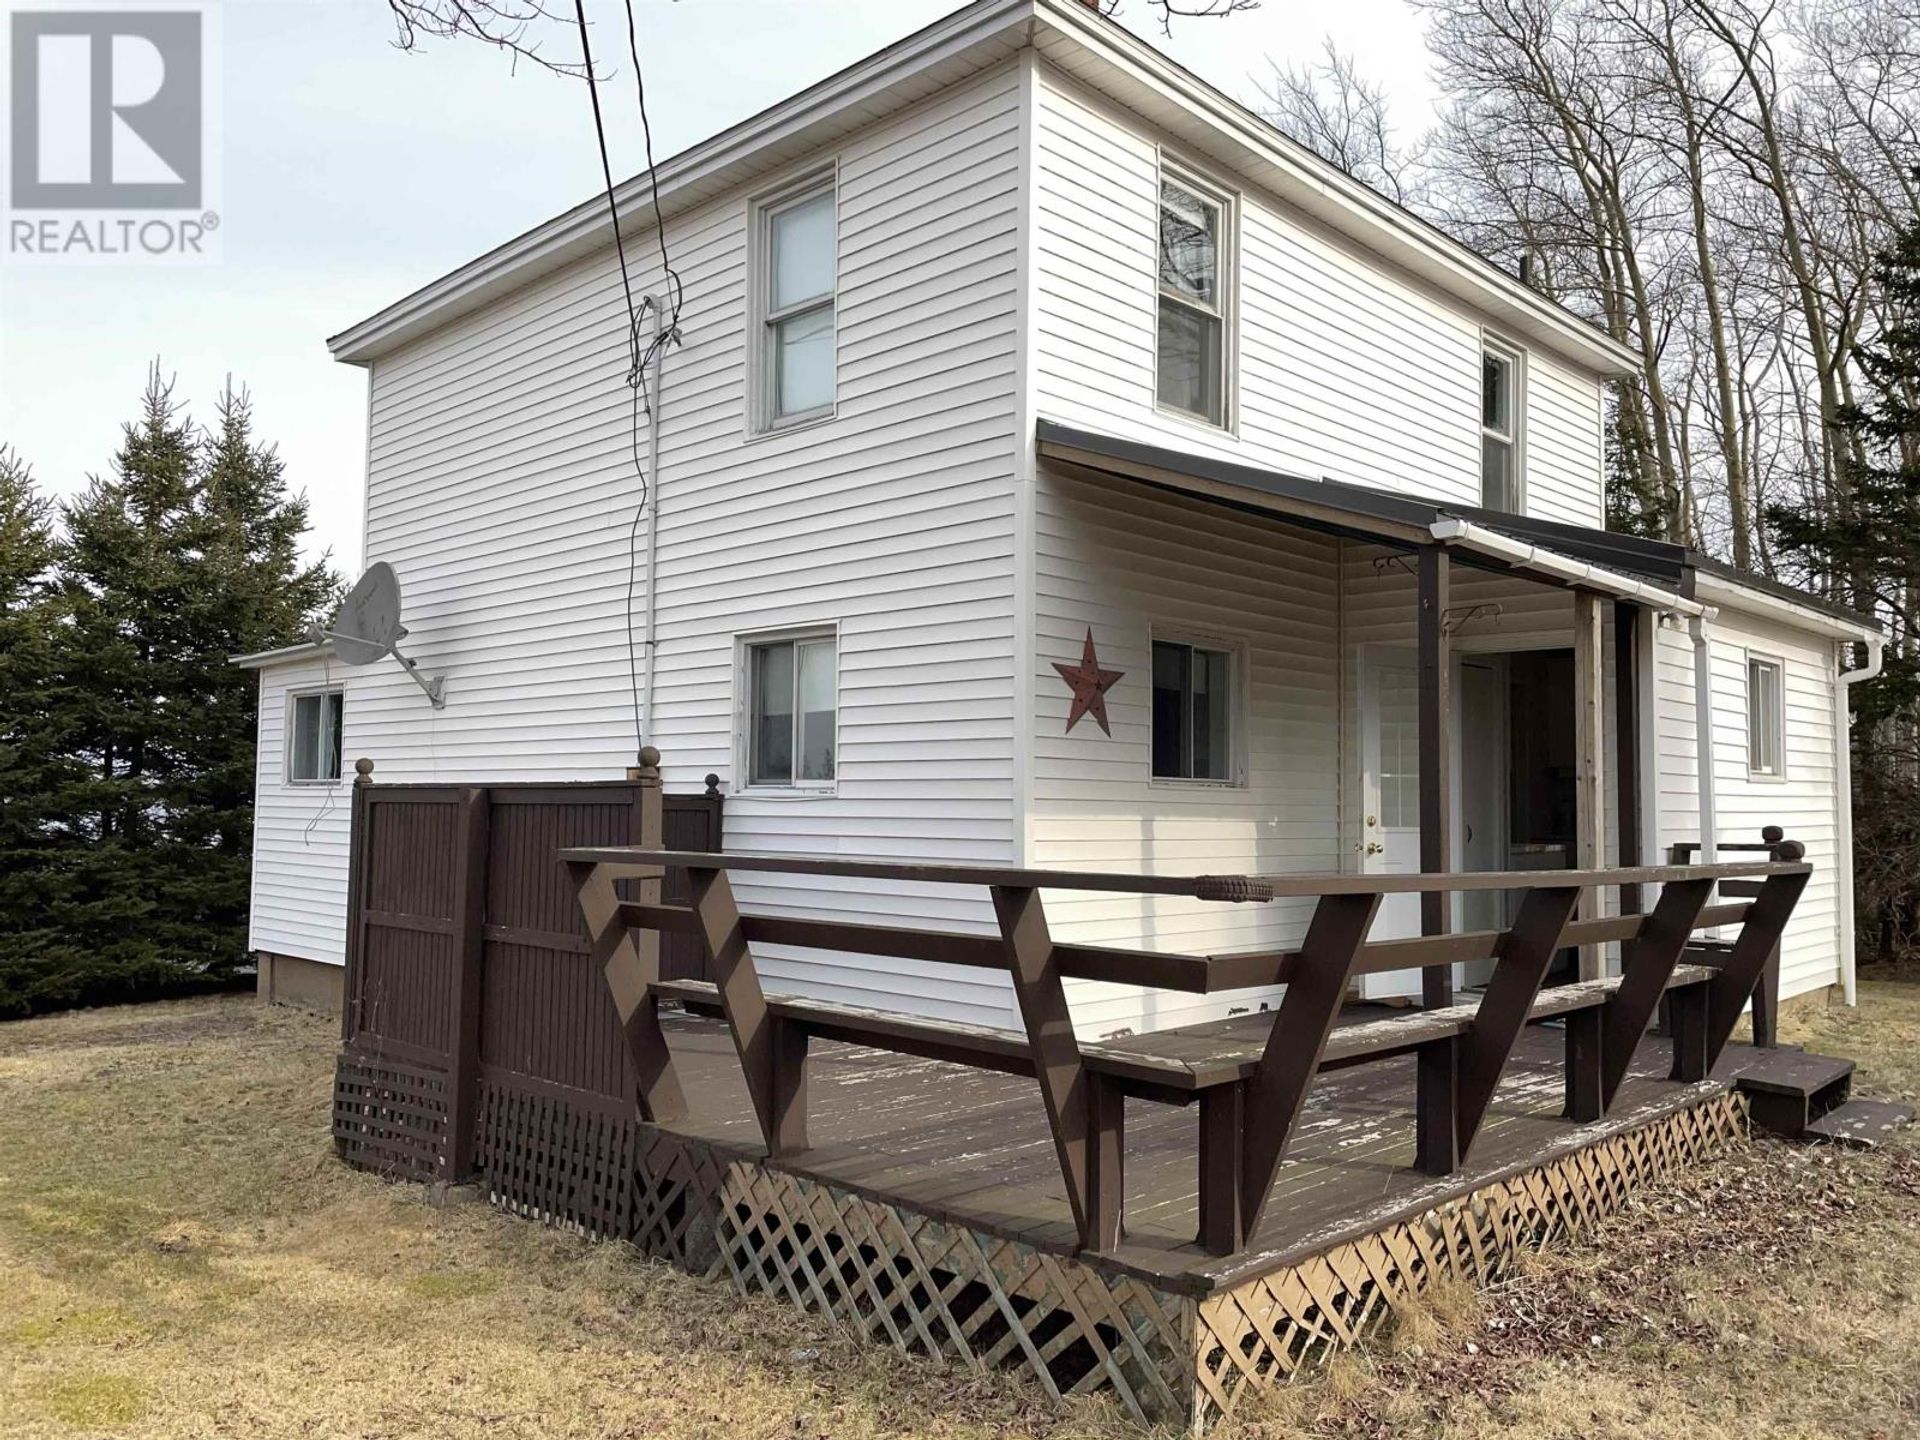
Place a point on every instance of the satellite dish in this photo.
(367, 628)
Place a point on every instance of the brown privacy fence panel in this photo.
(478, 1031)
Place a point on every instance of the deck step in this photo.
(1791, 1072)
(1862, 1124)
(1787, 1090)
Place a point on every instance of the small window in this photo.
(792, 689)
(313, 750)
(1192, 712)
(797, 234)
(1766, 718)
(1499, 429)
(1193, 327)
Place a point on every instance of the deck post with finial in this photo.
(356, 890)
(630, 955)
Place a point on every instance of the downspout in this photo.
(1703, 737)
(1843, 800)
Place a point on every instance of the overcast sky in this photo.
(355, 173)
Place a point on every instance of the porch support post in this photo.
(1437, 1075)
(1626, 736)
(1436, 762)
(1589, 796)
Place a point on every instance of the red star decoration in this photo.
(1090, 685)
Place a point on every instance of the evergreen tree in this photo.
(30, 764)
(139, 823)
(125, 578)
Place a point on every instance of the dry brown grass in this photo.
(180, 1256)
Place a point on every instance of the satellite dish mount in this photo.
(367, 629)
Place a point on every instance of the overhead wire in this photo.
(640, 359)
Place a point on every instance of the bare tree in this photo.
(1170, 10)
(1340, 115)
(515, 26)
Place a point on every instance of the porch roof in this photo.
(1357, 511)
(1596, 559)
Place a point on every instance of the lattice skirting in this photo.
(570, 1158)
(961, 1297)
(390, 1116)
(1269, 1329)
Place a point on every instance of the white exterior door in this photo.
(1390, 791)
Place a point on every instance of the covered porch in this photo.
(1423, 688)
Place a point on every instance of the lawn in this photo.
(181, 1256)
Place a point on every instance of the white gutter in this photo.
(261, 659)
(1469, 536)
(1843, 802)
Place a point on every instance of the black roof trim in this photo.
(1781, 590)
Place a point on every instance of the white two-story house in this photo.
(1053, 469)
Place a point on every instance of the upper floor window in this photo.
(1499, 427)
(1766, 718)
(792, 710)
(1192, 376)
(796, 328)
(313, 742)
(1192, 712)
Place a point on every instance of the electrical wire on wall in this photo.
(640, 358)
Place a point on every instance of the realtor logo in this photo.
(112, 150)
(106, 110)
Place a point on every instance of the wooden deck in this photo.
(973, 1148)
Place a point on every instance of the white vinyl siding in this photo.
(1134, 565)
(1564, 443)
(502, 490)
(1343, 368)
(300, 831)
(1802, 803)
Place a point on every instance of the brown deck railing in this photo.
(1773, 844)
(1250, 1094)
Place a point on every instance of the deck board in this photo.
(973, 1147)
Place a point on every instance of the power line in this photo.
(638, 360)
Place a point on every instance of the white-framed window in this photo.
(314, 721)
(1500, 426)
(1766, 717)
(791, 685)
(796, 266)
(1195, 280)
(1196, 709)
